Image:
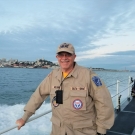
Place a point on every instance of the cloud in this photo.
(100, 31)
(123, 53)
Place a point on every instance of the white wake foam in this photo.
(9, 115)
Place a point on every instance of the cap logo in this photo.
(64, 46)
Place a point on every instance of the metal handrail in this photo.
(120, 92)
(31, 119)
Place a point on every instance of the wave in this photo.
(40, 126)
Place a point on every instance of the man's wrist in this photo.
(26, 116)
(100, 134)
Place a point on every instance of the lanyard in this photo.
(66, 76)
(64, 79)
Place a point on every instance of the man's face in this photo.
(66, 60)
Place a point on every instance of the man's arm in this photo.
(35, 101)
(103, 104)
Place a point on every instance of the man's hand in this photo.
(20, 123)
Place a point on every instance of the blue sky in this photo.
(102, 31)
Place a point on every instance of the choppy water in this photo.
(17, 85)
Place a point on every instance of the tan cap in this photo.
(66, 47)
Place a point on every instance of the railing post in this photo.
(117, 97)
(129, 92)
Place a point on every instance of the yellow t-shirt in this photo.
(64, 74)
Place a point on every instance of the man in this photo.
(81, 104)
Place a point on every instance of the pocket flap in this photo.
(79, 93)
(82, 124)
(55, 121)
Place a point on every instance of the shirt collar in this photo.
(73, 72)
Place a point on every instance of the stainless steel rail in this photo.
(31, 119)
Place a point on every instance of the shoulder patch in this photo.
(96, 80)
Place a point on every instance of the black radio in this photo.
(59, 96)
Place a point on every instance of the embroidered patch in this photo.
(56, 87)
(78, 88)
(54, 102)
(77, 104)
(96, 80)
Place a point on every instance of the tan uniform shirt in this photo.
(87, 106)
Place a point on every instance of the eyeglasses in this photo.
(60, 55)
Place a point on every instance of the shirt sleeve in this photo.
(37, 98)
(26, 116)
(103, 104)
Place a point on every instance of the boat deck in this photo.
(124, 121)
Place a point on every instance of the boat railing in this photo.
(31, 119)
(119, 93)
(117, 107)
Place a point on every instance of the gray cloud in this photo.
(110, 62)
(127, 53)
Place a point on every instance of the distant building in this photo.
(40, 63)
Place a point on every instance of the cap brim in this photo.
(65, 51)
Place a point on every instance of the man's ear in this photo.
(74, 56)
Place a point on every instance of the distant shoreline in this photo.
(112, 70)
(93, 69)
(31, 67)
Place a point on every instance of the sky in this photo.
(102, 31)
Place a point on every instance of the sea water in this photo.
(18, 84)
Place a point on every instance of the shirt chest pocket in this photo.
(78, 99)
